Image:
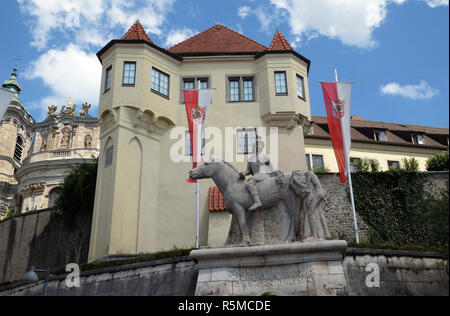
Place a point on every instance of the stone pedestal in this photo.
(311, 268)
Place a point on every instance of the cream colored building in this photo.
(387, 143)
(35, 157)
(143, 202)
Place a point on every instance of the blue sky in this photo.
(397, 51)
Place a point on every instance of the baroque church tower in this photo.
(16, 135)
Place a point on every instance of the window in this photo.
(380, 136)
(160, 82)
(108, 78)
(189, 85)
(109, 156)
(202, 83)
(393, 165)
(241, 89)
(280, 83)
(193, 83)
(300, 87)
(417, 139)
(317, 162)
(129, 73)
(188, 147)
(234, 90)
(18, 151)
(308, 162)
(354, 162)
(248, 89)
(246, 141)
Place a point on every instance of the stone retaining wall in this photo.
(402, 273)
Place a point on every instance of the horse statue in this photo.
(274, 191)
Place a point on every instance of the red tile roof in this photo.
(279, 42)
(216, 201)
(137, 32)
(217, 39)
(397, 134)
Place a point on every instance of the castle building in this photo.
(35, 157)
(143, 202)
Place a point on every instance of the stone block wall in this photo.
(169, 277)
(402, 273)
(41, 239)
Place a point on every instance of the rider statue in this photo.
(260, 167)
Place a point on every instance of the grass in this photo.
(175, 253)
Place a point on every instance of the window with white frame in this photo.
(300, 87)
(160, 82)
(234, 89)
(280, 83)
(380, 136)
(417, 139)
(129, 73)
(246, 141)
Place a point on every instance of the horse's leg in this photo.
(293, 209)
(239, 211)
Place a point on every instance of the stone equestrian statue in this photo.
(298, 194)
(260, 167)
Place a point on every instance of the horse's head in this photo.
(204, 171)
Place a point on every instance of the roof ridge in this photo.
(212, 27)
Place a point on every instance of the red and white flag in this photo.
(337, 103)
(197, 103)
(5, 99)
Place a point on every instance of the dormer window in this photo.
(417, 139)
(380, 136)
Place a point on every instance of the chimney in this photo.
(357, 118)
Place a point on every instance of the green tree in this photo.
(410, 165)
(439, 162)
(78, 192)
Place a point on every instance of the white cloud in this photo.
(350, 21)
(68, 73)
(90, 22)
(421, 91)
(436, 3)
(66, 32)
(243, 12)
(177, 36)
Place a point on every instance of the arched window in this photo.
(53, 196)
(18, 151)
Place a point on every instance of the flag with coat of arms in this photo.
(197, 103)
(337, 103)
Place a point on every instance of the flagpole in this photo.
(347, 162)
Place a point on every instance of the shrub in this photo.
(78, 192)
(439, 162)
(410, 165)
(367, 165)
